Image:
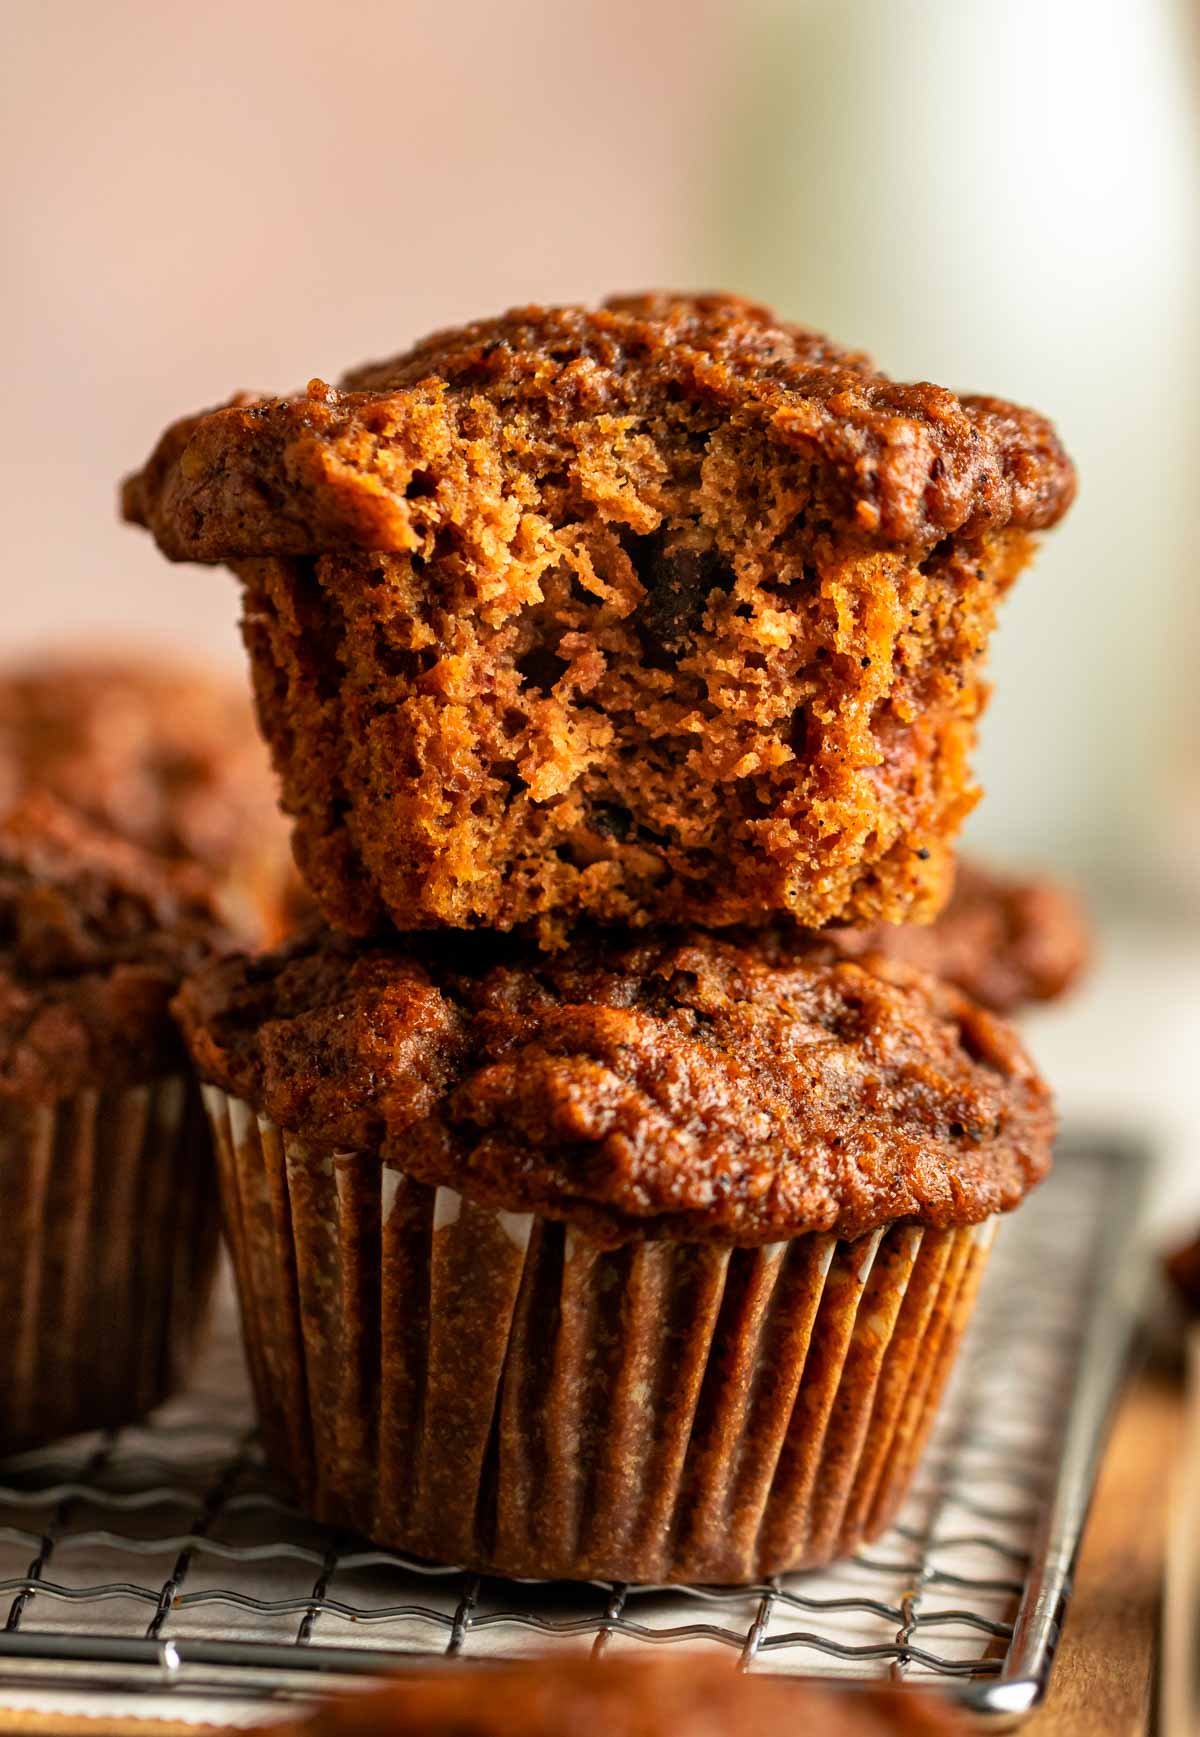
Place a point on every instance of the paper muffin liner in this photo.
(110, 1212)
(491, 1389)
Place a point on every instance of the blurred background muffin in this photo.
(161, 752)
(1006, 940)
(107, 1189)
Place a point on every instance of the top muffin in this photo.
(669, 611)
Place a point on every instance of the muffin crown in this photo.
(365, 466)
(94, 938)
(675, 1086)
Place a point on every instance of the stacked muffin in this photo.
(592, 1215)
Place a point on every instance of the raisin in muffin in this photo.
(164, 754)
(643, 1261)
(690, 1695)
(107, 1188)
(667, 611)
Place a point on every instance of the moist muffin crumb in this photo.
(670, 611)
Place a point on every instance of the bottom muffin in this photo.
(646, 1262)
(688, 1695)
(107, 1186)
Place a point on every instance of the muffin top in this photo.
(94, 938)
(692, 1695)
(155, 750)
(673, 1085)
(1005, 940)
(388, 460)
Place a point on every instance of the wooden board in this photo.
(1104, 1678)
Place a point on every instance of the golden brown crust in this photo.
(674, 1086)
(1004, 940)
(667, 612)
(163, 754)
(94, 938)
(333, 470)
(689, 1695)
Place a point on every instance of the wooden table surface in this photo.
(1104, 1679)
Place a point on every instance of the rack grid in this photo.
(161, 1559)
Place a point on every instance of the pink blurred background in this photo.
(205, 198)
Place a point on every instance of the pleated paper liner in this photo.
(490, 1389)
(108, 1203)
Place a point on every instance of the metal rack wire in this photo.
(162, 1557)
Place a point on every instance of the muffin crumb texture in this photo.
(666, 612)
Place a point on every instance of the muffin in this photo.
(692, 1694)
(645, 1261)
(1005, 940)
(1182, 1266)
(163, 754)
(107, 1187)
(666, 612)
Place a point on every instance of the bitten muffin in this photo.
(163, 754)
(688, 1695)
(670, 611)
(1004, 940)
(645, 1261)
(107, 1188)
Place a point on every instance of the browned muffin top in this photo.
(157, 751)
(94, 938)
(1004, 940)
(369, 466)
(674, 1085)
(688, 1695)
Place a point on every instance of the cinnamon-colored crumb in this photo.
(670, 611)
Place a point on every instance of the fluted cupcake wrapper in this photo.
(109, 1206)
(492, 1389)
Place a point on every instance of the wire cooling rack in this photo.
(159, 1563)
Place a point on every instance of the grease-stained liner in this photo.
(491, 1389)
(108, 1204)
